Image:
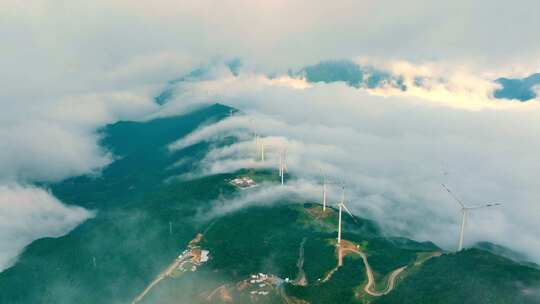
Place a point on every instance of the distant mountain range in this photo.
(358, 76)
(351, 73)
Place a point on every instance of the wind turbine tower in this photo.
(339, 220)
(261, 144)
(325, 184)
(465, 213)
(282, 166)
(342, 207)
(324, 193)
(325, 190)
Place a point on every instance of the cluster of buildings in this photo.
(192, 258)
(262, 293)
(258, 278)
(243, 182)
(199, 256)
(262, 283)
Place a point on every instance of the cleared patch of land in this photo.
(192, 253)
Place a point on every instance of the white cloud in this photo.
(442, 82)
(55, 139)
(264, 194)
(392, 152)
(275, 35)
(29, 213)
(48, 138)
(69, 67)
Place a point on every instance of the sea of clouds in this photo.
(393, 153)
(68, 68)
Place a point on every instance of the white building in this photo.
(204, 256)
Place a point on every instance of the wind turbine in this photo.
(259, 141)
(282, 165)
(324, 193)
(465, 213)
(259, 144)
(325, 190)
(256, 143)
(342, 206)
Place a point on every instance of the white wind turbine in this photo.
(261, 145)
(282, 165)
(325, 184)
(464, 214)
(324, 193)
(342, 206)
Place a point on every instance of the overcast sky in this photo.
(68, 67)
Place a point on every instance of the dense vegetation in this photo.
(129, 238)
(471, 276)
(340, 289)
(147, 213)
(267, 239)
(352, 74)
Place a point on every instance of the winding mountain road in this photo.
(370, 288)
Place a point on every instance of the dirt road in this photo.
(301, 279)
(167, 272)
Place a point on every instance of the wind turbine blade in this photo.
(349, 212)
(453, 196)
(485, 206)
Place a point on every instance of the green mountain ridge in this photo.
(506, 252)
(145, 219)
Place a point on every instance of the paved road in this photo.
(369, 288)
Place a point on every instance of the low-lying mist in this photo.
(30, 213)
(392, 153)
